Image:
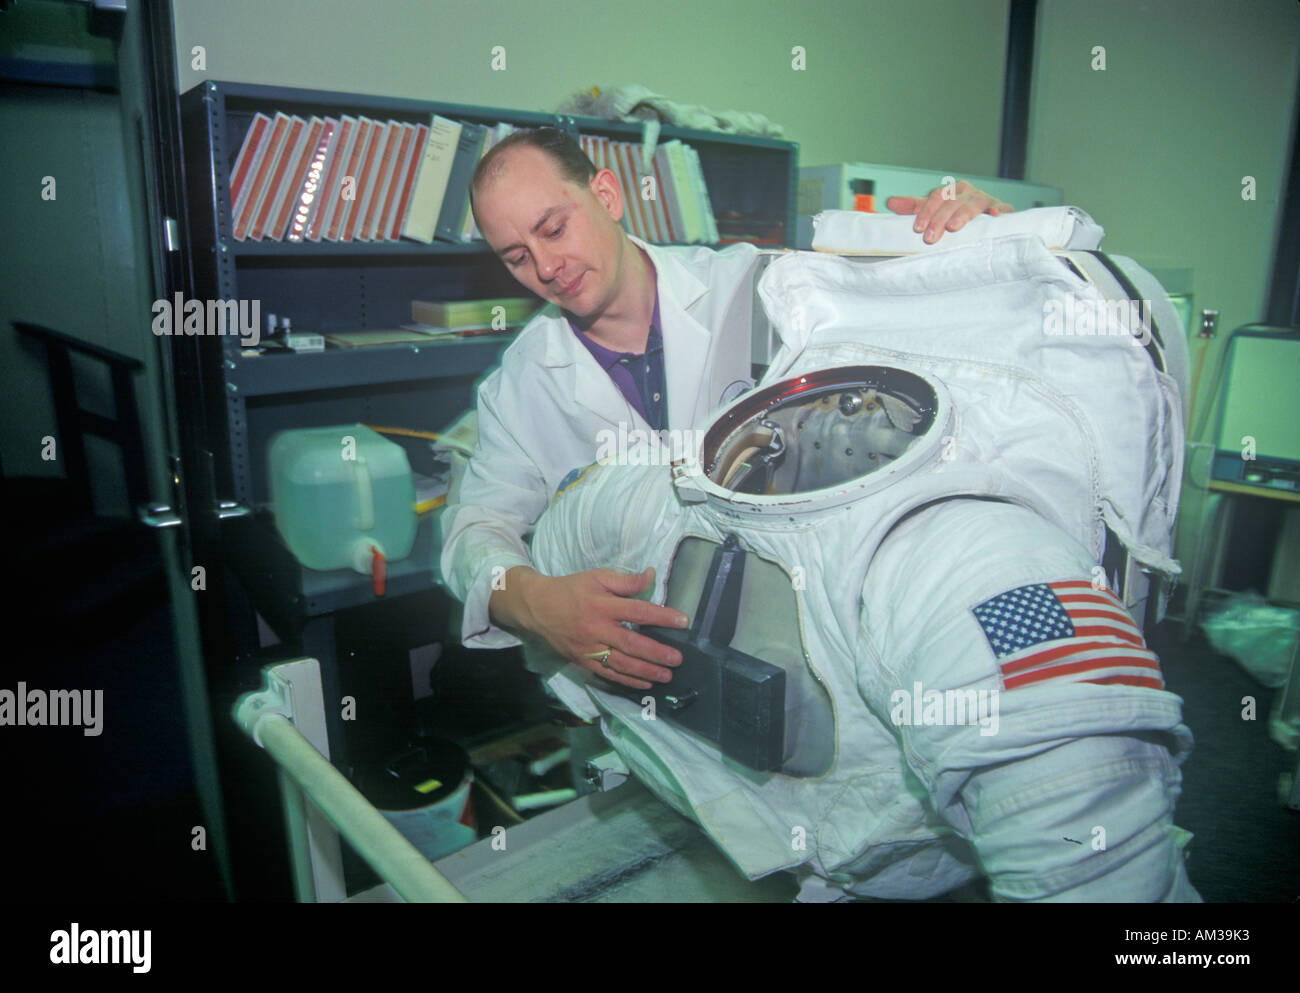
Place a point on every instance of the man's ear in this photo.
(604, 187)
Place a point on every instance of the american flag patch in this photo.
(1066, 632)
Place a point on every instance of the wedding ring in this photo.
(601, 657)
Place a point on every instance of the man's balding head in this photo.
(567, 155)
(553, 219)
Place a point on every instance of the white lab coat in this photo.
(542, 411)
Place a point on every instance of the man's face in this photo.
(560, 240)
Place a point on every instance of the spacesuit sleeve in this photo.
(1059, 763)
(501, 493)
(1088, 821)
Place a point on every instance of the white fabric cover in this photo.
(850, 232)
(1081, 428)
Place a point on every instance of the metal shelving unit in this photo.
(357, 286)
(246, 398)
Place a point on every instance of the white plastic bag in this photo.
(1257, 635)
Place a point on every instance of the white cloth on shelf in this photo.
(633, 102)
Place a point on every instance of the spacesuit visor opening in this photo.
(818, 430)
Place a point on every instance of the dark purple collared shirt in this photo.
(640, 378)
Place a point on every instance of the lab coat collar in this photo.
(681, 285)
(686, 349)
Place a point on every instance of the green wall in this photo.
(1196, 95)
(879, 83)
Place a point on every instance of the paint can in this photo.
(424, 792)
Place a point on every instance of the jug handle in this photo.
(365, 496)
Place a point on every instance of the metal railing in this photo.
(286, 718)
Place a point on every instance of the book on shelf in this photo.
(431, 181)
(248, 162)
(252, 194)
(455, 202)
(327, 205)
(672, 217)
(345, 192)
(277, 178)
(409, 172)
(656, 204)
(679, 167)
(364, 180)
(701, 193)
(298, 165)
(631, 195)
(359, 179)
(354, 178)
(494, 134)
(473, 313)
(409, 334)
(402, 152)
(665, 198)
(309, 197)
(371, 338)
(370, 182)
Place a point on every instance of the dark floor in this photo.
(112, 818)
(1247, 844)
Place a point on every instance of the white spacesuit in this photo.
(922, 487)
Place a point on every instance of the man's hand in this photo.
(581, 614)
(934, 214)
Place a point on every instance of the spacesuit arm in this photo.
(1065, 786)
(501, 493)
(1089, 820)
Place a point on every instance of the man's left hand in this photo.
(947, 208)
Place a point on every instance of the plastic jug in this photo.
(343, 498)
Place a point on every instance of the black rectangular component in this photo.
(729, 697)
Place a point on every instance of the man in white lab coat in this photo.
(639, 337)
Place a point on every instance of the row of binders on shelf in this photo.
(665, 198)
(359, 179)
